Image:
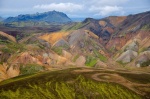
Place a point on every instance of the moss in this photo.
(78, 26)
(144, 64)
(79, 88)
(58, 50)
(142, 50)
(65, 46)
(3, 41)
(13, 48)
(41, 46)
(146, 27)
(112, 49)
(30, 68)
(29, 23)
(90, 61)
(123, 64)
(100, 56)
(75, 58)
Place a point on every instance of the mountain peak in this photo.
(88, 20)
(50, 17)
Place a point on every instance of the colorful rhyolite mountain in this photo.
(109, 42)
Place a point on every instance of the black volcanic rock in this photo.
(138, 20)
(49, 17)
(117, 26)
(93, 25)
(89, 20)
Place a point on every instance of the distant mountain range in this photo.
(78, 19)
(1, 19)
(48, 17)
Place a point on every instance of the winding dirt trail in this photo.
(101, 75)
(115, 78)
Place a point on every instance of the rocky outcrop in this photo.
(61, 42)
(4, 57)
(103, 23)
(143, 59)
(127, 56)
(76, 36)
(66, 54)
(3, 72)
(13, 71)
(9, 37)
(80, 61)
(132, 46)
(44, 43)
(100, 64)
(26, 58)
(8, 71)
(56, 59)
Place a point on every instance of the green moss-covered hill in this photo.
(79, 83)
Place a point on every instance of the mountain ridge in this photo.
(49, 17)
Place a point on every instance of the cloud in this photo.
(75, 8)
(108, 2)
(7, 12)
(106, 10)
(65, 7)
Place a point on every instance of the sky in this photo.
(75, 8)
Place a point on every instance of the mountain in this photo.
(114, 26)
(48, 17)
(118, 32)
(1, 19)
(77, 19)
(111, 42)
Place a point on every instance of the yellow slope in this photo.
(53, 37)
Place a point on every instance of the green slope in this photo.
(63, 84)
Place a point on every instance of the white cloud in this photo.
(106, 10)
(75, 8)
(65, 7)
(108, 2)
